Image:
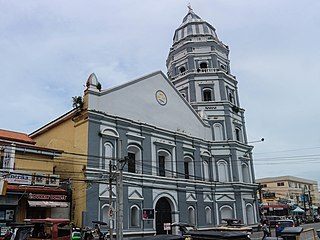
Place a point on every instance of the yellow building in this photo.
(290, 190)
(33, 188)
(70, 133)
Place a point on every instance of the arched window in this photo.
(135, 161)
(135, 216)
(105, 213)
(250, 214)
(131, 162)
(231, 98)
(205, 164)
(188, 168)
(245, 173)
(203, 65)
(226, 212)
(182, 69)
(164, 164)
(109, 151)
(192, 215)
(207, 94)
(218, 133)
(223, 171)
(208, 215)
(238, 134)
(184, 93)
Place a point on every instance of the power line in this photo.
(289, 150)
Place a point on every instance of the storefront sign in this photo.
(47, 197)
(277, 209)
(8, 159)
(4, 230)
(19, 178)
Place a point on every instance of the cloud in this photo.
(49, 48)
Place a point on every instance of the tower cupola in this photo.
(192, 25)
(195, 49)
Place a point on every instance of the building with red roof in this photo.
(31, 189)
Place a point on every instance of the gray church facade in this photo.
(180, 140)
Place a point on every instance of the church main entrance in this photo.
(163, 215)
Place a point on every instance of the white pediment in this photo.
(191, 197)
(153, 100)
(207, 197)
(224, 198)
(104, 191)
(135, 195)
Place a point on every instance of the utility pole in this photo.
(304, 202)
(310, 204)
(120, 201)
(110, 201)
(120, 166)
(260, 192)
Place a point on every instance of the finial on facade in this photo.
(93, 82)
(190, 8)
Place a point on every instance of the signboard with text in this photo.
(167, 226)
(19, 178)
(8, 158)
(53, 197)
(148, 214)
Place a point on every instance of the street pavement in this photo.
(259, 235)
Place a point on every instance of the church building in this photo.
(160, 149)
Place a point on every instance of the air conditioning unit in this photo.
(40, 179)
(54, 180)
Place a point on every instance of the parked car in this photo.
(273, 220)
(282, 224)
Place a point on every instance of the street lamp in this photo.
(261, 140)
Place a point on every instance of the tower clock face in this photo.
(161, 97)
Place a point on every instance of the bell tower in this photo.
(199, 67)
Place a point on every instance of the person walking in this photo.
(265, 229)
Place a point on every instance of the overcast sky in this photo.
(49, 48)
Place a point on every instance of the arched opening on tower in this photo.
(207, 95)
(182, 69)
(163, 215)
(203, 65)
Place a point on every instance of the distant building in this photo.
(181, 142)
(33, 189)
(290, 191)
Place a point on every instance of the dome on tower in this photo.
(193, 25)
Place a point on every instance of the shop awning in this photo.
(276, 207)
(48, 204)
(33, 189)
(298, 210)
